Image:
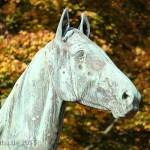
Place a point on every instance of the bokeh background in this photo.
(120, 27)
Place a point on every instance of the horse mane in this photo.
(33, 103)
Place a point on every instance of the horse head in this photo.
(86, 75)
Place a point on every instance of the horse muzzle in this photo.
(131, 107)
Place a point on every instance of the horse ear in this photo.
(84, 25)
(63, 24)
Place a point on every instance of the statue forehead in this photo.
(76, 37)
(75, 40)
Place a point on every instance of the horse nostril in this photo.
(125, 95)
(131, 98)
(128, 96)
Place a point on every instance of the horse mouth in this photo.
(130, 114)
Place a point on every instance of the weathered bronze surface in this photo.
(69, 68)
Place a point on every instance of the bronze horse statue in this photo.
(69, 68)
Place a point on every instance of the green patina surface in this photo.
(69, 68)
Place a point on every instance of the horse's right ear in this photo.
(84, 25)
(63, 25)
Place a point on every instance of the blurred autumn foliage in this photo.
(120, 27)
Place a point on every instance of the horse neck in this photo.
(33, 104)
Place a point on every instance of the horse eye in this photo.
(80, 54)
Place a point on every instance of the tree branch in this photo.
(104, 133)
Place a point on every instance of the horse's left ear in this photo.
(63, 25)
(84, 25)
